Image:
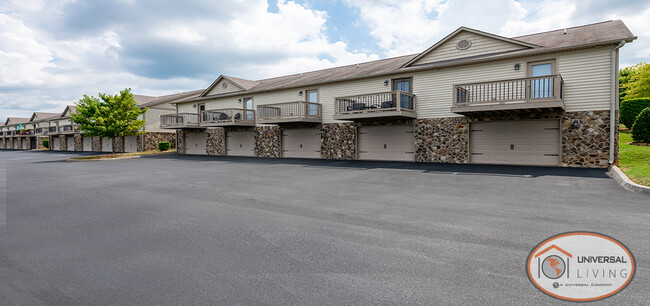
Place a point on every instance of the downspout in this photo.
(613, 105)
(176, 130)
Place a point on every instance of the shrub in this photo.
(46, 143)
(641, 127)
(631, 108)
(164, 146)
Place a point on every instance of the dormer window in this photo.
(463, 44)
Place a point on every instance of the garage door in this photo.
(107, 144)
(240, 143)
(70, 143)
(87, 144)
(301, 143)
(390, 142)
(24, 143)
(57, 143)
(195, 143)
(533, 142)
(130, 144)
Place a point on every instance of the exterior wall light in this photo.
(517, 66)
(193, 105)
(386, 83)
(300, 93)
(575, 123)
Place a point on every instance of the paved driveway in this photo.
(205, 230)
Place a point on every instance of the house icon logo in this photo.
(553, 266)
(580, 266)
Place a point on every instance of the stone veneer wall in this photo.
(19, 143)
(339, 141)
(63, 143)
(151, 140)
(39, 142)
(216, 142)
(118, 144)
(96, 145)
(78, 142)
(181, 142)
(442, 140)
(267, 141)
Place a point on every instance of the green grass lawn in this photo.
(634, 160)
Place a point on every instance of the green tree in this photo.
(638, 83)
(109, 115)
(624, 76)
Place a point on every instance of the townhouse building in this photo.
(547, 99)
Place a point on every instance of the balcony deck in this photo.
(228, 117)
(290, 112)
(392, 104)
(516, 95)
(180, 121)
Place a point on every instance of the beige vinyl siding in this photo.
(586, 74)
(587, 78)
(218, 89)
(152, 118)
(480, 45)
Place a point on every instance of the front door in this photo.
(248, 105)
(312, 97)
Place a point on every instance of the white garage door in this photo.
(532, 142)
(24, 143)
(389, 142)
(301, 143)
(57, 143)
(87, 144)
(195, 143)
(70, 143)
(240, 143)
(107, 144)
(130, 144)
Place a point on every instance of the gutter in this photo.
(613, 103)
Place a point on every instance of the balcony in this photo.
(26, 132)
(516, 95)
(299, 111)
(180, 121)
(228, 117)
(393, 104)
(69, 129)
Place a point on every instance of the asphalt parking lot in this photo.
(178, 230)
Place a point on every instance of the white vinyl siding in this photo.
(480, 45)
(152, 118)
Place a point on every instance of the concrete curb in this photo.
(104, 159)
(625, 181)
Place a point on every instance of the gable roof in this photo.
(586, 36)
(42, 116)
(173, 98)
(477, 32)
(68, 109)
(16, 120)
(243, 84)
(142, 99)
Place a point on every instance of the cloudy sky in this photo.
(54, 51)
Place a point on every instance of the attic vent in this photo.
(224, 85)
(463, 44)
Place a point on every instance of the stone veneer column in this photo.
(118, 144)
(63, 143)
(181, 142)
(78, 142)
(339, 141)
(442, 140)
(50, 142)
(588, 144)
(216, 142)
(96, 145)
(19, 143)
(267, 141)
